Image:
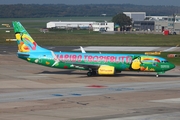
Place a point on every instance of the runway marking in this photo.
(173, 100)
(165, 116)
(58, 95)
(73, 94)
(76, 94)
(96, 86)
(170, 49)
(121, 89)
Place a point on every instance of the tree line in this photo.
(62, 10)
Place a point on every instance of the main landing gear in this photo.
(91, 73)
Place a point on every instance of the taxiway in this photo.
(29, 91)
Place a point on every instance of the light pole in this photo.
(174, 19)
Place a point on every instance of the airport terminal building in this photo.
(155, 23)
(158, 24)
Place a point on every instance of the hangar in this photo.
(95, 26)
(63, 25)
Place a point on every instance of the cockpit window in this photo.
(164, 61)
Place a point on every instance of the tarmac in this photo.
(13, 49)
(128, 48)
(29, 91)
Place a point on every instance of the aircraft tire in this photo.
(89, 74)
(94, 73)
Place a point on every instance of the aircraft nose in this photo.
(172, 66)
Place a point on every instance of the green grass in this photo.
(100, 18)
(84, 38)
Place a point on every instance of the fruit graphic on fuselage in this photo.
(136, 64)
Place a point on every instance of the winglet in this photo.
(82, 49)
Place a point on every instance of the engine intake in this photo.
(106, 70)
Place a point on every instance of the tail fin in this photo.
(24, 40)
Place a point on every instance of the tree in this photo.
(122, 20)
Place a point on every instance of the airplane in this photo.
(94, 63)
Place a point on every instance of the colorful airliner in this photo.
(94, 63)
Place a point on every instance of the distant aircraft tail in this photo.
(24, 40)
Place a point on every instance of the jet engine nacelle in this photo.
(106, 70)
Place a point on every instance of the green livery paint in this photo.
(95, 64)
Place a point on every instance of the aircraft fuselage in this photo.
(121, 62)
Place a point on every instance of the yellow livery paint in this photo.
(106, 70)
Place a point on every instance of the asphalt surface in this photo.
(13, 49)
(29, 91)
(86, 91)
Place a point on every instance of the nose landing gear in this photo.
(157, 75)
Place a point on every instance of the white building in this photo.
(96, 26)
(63, 25)
(136, 16)
(107, 26)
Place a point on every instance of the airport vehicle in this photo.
(94, 63)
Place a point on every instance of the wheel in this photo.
(89, 74)
(94, 73)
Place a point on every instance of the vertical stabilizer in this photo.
(24, 40)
